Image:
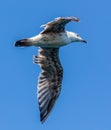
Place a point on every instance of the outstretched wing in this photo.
(50, 80)
(58, 25)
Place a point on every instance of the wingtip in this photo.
(70, 17)
(75, 19)
(42, 121)
(43, 118)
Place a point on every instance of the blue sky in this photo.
(85, 99)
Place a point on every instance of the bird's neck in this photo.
(71, 36)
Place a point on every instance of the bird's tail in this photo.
(23, 43)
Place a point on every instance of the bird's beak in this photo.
(83, 41)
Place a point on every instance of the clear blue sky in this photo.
(85, 99)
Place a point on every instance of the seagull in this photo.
(49, 41)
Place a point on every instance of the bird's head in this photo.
(76, 38)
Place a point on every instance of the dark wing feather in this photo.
(50, 80)
(58, 25)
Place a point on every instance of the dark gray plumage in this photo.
(50, 79)
(58, 25)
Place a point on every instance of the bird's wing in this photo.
(58, 25)
(50, 79)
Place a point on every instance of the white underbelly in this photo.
(51, 40)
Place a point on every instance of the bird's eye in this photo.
(77, 35)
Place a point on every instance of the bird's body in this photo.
(50, 40)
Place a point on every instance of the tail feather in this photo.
(22, 43)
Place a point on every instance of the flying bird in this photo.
(49, 41)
